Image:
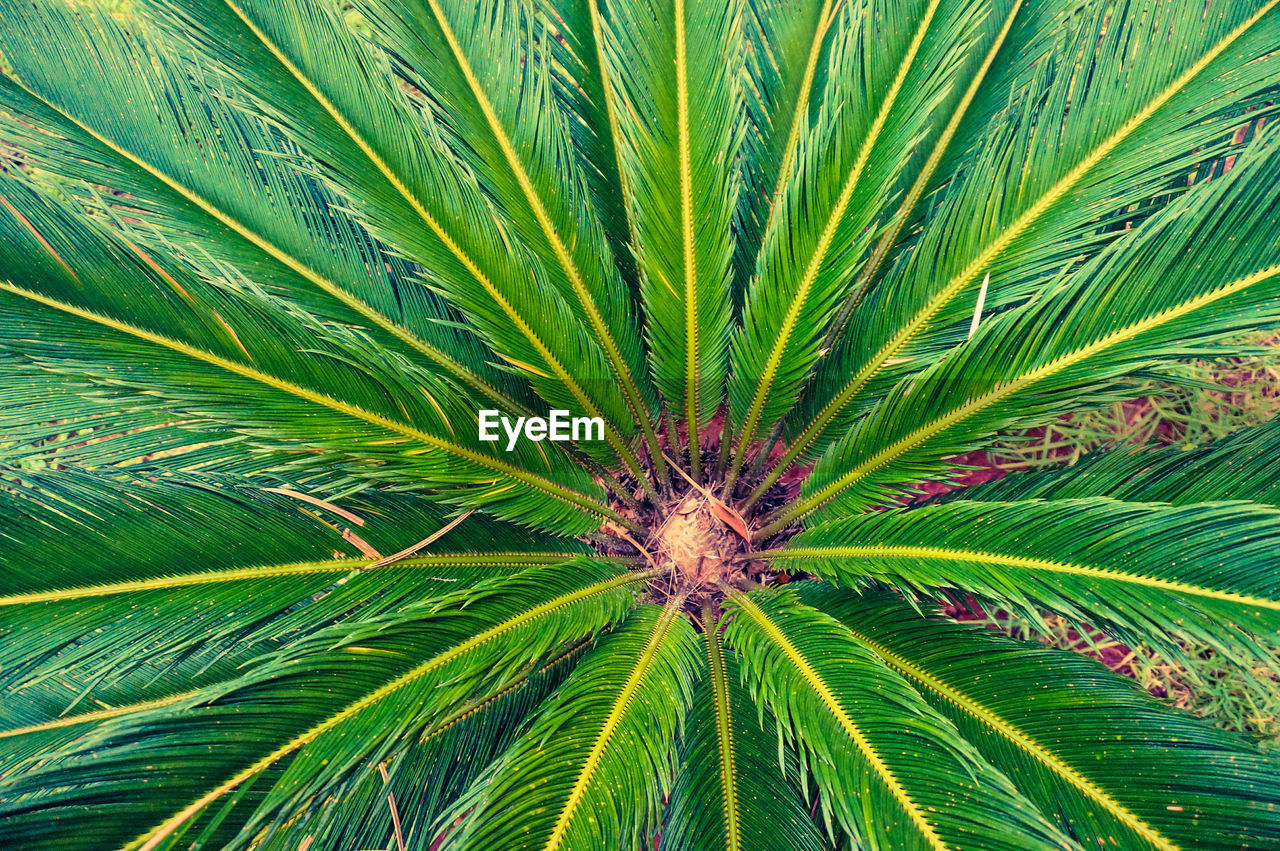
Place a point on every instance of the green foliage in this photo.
(1197, 402)
(263, 585)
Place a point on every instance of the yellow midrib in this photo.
(293, 264)
(536, 482)
(1024, 221)
(884, 456)
(829, 230)
(1021, 740)
(154, 837)
(98, 715)
(868, 750)
(687, 234)
(724, 728)
(825, 18)
(1028, 563)
(470, 709)
(472, 267)
(630, 392)
(882, 250)
(267, 571)
(632, 684)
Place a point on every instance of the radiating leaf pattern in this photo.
(264, 583)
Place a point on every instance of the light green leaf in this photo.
(1143, 571)
(893, 772)
(734, 786)
(1070, 733)
(592, 770)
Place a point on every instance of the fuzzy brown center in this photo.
(698, 547)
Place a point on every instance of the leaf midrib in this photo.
(724, 728)
(1024, 562)
(689, 246)
(828, 698)
(242, 574)
(1020, 739)
(915, 438)
(1017, 227)
(154, 837)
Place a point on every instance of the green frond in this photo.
(315, 386)
(846, 169)
(577, 48)
(592, 770)
(977, 72)
(355, 692)
(1150, 296)
(71, 526)
(681, 121)
(274, 224)
(1146, 572)
(1017, 36)
(429, 774)
(1245, 464)
(1089, 138)
(1071, 733)
(734, 787)
(480, 272)
(891, 770)
(785, 41)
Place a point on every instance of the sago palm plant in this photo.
(272, 272)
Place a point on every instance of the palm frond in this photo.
(1001, 24)
(67, 282)
(1245, 464)
(785, 41)
(1074, 755)
(1142, 571)
(120, 590)
(731, 789)
(401, 180)
(268, 221)
(681, 121)
(890, 769)
(577, 46)
(1093, 137)
(1148, 297)
(430, 773)
(594, 777)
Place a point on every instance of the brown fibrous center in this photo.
(698, 548)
